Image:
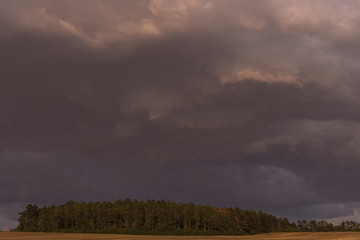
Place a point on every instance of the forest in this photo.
(161, 217)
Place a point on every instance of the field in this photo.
(269, 236)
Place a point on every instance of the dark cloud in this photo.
(215, 102)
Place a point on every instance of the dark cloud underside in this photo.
(232, 103)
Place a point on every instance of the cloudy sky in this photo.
(230, 103)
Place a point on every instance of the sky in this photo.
(247, 103)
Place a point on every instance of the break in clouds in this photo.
(230, 103)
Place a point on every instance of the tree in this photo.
(29, 219)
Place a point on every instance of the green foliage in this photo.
(160, 218)
(29, 219)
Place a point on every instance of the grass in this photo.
(267, 236)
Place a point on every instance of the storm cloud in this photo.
(233, 103)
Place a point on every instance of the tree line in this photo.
(160, 217)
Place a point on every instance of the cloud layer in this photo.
(233, 103)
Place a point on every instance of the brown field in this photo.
(269, 236)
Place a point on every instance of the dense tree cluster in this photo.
(161, 217)
(323, 226)
(315, 226)
(132, 216)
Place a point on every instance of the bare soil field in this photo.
(268, 236)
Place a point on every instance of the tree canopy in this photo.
(160, 217)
